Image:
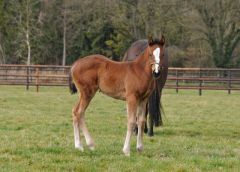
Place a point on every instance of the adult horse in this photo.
(154, 102)
(130, 81)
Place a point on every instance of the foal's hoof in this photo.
(80, 148)
(91, 147)
(140, 148)
(126, 152)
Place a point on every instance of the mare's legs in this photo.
(131, 110)
(146, 117)
(146, 127)
(150, 123)
(135, 129)
(141, 124)
(79, 121)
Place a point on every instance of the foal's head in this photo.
(156, 53)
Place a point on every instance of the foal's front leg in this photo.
(131, 110)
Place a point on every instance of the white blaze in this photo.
(156, 54)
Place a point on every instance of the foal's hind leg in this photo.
(82, 108)
(141, 124)
(76, 120)
(79, 121)
(145, 125)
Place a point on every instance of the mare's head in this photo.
(156, 53)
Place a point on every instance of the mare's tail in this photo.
(72, 86)
(155, 107)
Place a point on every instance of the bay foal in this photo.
(130, 81)
(154, 107)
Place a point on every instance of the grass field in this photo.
(200, 133)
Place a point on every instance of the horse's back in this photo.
(85, 70)
(98, 71)
(96, 61)
(135, 50)
(91, 61)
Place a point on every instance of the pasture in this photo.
(200, 133)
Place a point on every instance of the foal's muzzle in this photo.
(156, 75)
(156, 70)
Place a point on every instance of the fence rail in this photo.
(203, 79)
(178, 78)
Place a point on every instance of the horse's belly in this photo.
(112, 89)
(112, 84)
(117, 94)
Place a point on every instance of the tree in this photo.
(64, 33)
(27, 29)
(2, 23)
(220, 26)
(60, 31)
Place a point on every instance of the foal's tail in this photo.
(72, 86)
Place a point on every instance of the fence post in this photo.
(229, 81)
(37, 79)
(177, 81)
(27, 84)
(200, 82)
(6, 71)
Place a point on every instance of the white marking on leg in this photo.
(139, 138)
(131, 111)
(131, 125)
(126, 147)
(86, 134)
(78, 144)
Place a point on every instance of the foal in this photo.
(154, 107)
(129, 81)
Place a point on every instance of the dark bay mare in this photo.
(154, 102)
(130, 81)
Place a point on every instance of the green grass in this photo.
(200, 133)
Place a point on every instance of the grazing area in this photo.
(200, 133)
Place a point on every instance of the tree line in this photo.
(198, 33)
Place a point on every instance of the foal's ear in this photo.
(150, 40)
(162, 41)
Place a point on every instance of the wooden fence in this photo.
(203, 79)
(178, 78)
(34, 75)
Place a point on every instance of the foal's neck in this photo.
(144, 62)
